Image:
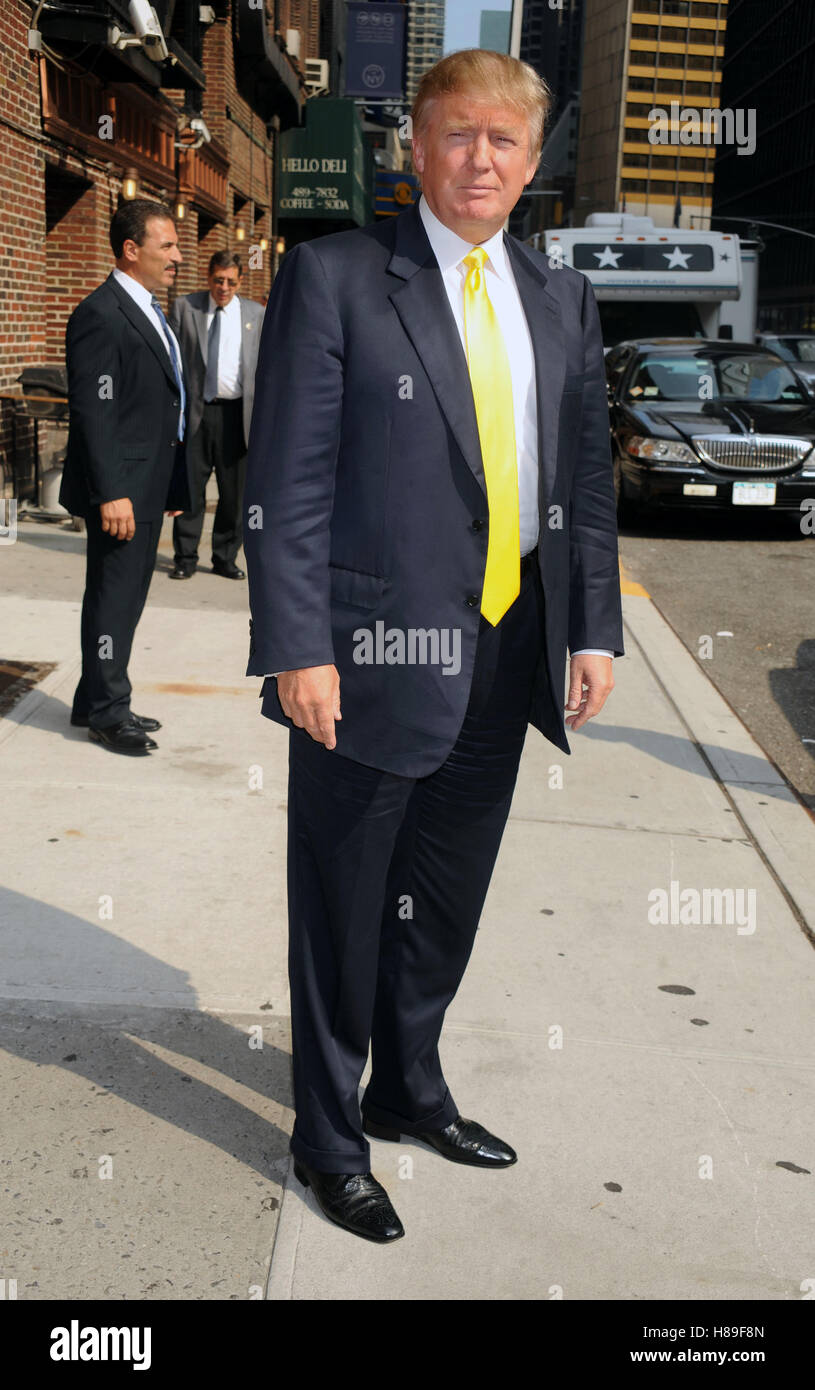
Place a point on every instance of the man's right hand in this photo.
(310, 697)
(118, 519)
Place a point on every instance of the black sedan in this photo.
(708, 423)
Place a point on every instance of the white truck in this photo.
(658, 282)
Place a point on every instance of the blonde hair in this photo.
(478, 72)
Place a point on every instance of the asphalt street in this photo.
(746, 581)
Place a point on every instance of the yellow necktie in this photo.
(492, 392)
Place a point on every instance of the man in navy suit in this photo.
(429, 522)
(126, 463)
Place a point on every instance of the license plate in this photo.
(699, 489)
(753, 494)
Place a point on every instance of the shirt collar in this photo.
(232, 307)
(137, 291)
(449, 248)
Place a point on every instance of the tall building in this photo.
(332, 42)
(768, 70)
(425, 41)
(494, 30)
(552, 43)
(639, 56)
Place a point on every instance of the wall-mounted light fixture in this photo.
(239, 234)
(130, 184)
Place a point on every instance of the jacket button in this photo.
(173, 443)
(472, 600)
(478, 524)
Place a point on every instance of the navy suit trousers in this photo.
(117, 580)
(387, 877)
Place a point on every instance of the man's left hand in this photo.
(173, 513)
(594, 672)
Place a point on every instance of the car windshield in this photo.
(801, 349)
(704, 377)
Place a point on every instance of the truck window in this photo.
(622, 319)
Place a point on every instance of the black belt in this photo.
(224, 400)
(527, 561)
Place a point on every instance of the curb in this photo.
(20, 713)
(780, 827)
(283, 1258)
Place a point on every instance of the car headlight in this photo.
(659, 450)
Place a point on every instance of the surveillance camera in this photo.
(199, 125)
(147, 26)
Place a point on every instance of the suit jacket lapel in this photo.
(549, 347)
(246, 327)
(142, 324)
(423, 307)
(200, 315)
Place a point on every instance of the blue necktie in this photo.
(213, 348)
(179, 380)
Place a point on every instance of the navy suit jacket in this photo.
(123, 411)
(365, 499)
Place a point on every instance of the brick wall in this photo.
(305, 16)
(251, 155)
(22, 225)
(56, 202)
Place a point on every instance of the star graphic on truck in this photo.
(607, 257)
(677, 258)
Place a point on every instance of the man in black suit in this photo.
(429, 523)
(125, 464)
(219, 333)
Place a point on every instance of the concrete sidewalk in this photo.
(656, 1079)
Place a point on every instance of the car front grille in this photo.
(755, 453)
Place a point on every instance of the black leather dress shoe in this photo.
(230, 571)
(142, 720)
(355, 1201)
(182, 570)
(463, 1141)
(124, 737)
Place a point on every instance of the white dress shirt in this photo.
(449, 249)
(142, 296)
(229, 348)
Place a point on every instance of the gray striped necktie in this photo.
(213, 344)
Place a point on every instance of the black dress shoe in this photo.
(182, 570)
(355, 1201)
(124, 737)
(142, 720)
(229, 571)
(463, 1141)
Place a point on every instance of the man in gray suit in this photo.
(219, 334)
